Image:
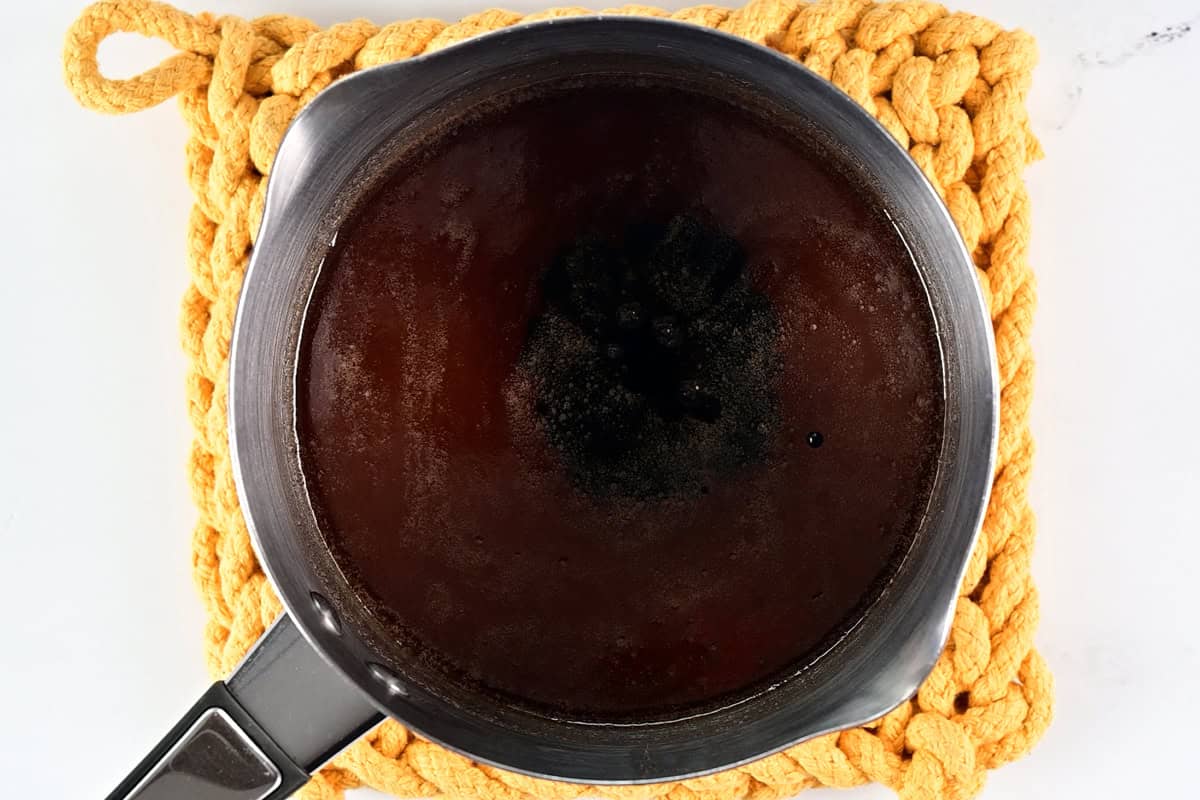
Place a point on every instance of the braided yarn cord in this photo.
(949, 86)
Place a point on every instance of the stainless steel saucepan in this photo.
(327, 671)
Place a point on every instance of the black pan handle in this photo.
(282, 714)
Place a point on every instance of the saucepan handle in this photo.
(282, 714)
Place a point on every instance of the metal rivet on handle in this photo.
(388, 678)
(329, 620)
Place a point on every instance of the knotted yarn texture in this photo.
(949, 86)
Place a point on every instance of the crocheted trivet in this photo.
(950, 87)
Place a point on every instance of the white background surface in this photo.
(101, 641)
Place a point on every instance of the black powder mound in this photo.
(654, 362)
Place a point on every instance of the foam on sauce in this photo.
(444, 502)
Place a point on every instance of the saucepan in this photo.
(327, 670)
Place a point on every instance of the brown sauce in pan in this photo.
(431, 379)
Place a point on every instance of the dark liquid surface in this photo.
(452, 514)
